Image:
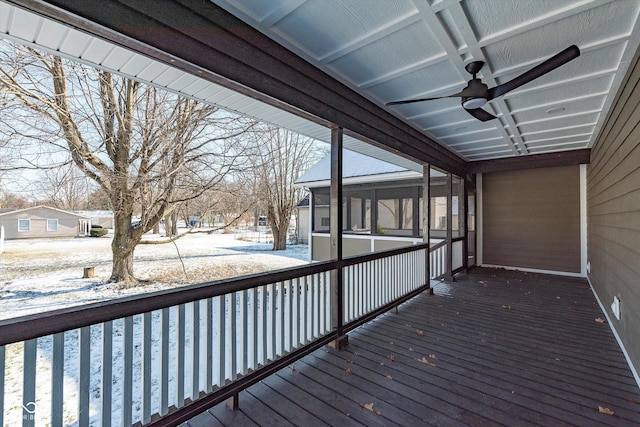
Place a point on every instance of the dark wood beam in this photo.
(197, 35)
(546, 160)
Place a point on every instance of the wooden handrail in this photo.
(37, 325)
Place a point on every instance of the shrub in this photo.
(98, 231)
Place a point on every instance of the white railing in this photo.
(122, 371)
(438, 260)
(375, 283)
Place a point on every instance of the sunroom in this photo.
(383, 208)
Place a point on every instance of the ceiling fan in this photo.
(476, 94)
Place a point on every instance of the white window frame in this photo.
(50, 228)
(20, 229)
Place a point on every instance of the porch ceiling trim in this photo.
(196, 36)
(545, 160)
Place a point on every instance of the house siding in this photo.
(613, 214)
(67, 224)
(532, 219)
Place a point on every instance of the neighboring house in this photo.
(43, 221)
(383, 206)
(101, 218)
(303, 221)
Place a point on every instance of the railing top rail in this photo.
(438, 246)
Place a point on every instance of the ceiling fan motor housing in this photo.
(475, 95)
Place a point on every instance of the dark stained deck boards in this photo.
(510, 348)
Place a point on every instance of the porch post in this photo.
(463, 214)
(449, 238)
(426, 217)
(335, 215)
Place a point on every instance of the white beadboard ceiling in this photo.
(390, 50)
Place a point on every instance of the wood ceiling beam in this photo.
(545, 160)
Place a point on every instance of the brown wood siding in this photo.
(531, 219)
(613, 214)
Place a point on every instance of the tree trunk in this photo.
(168, 225)
(279, 229)
(122, 246)
(279, 239)
(174, 224)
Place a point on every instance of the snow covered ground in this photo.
(46, 274)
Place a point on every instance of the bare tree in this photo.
(65, 187)
(99, 200)
(147, 149)
(234, 201)
(13, 201)
(281, 157)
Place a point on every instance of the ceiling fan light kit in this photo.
(476, 94)
(471, 103)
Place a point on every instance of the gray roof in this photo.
(354, 165)
(33, 208)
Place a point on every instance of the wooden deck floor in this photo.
(494, 348)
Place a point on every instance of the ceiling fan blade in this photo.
(409, 101)
(480, 114)
(570, 53)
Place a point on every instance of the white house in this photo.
(43, 221)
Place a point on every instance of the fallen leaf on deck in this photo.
(425, 361)
(506, 307)
(433, 356)
(420, 332)
(348, 371)
(368, 406)
(599, 320)
(389, 377)
(293, 368)
(378, 413)
(632, 400)
(606, 411)
(349, 361)
(391, 357)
